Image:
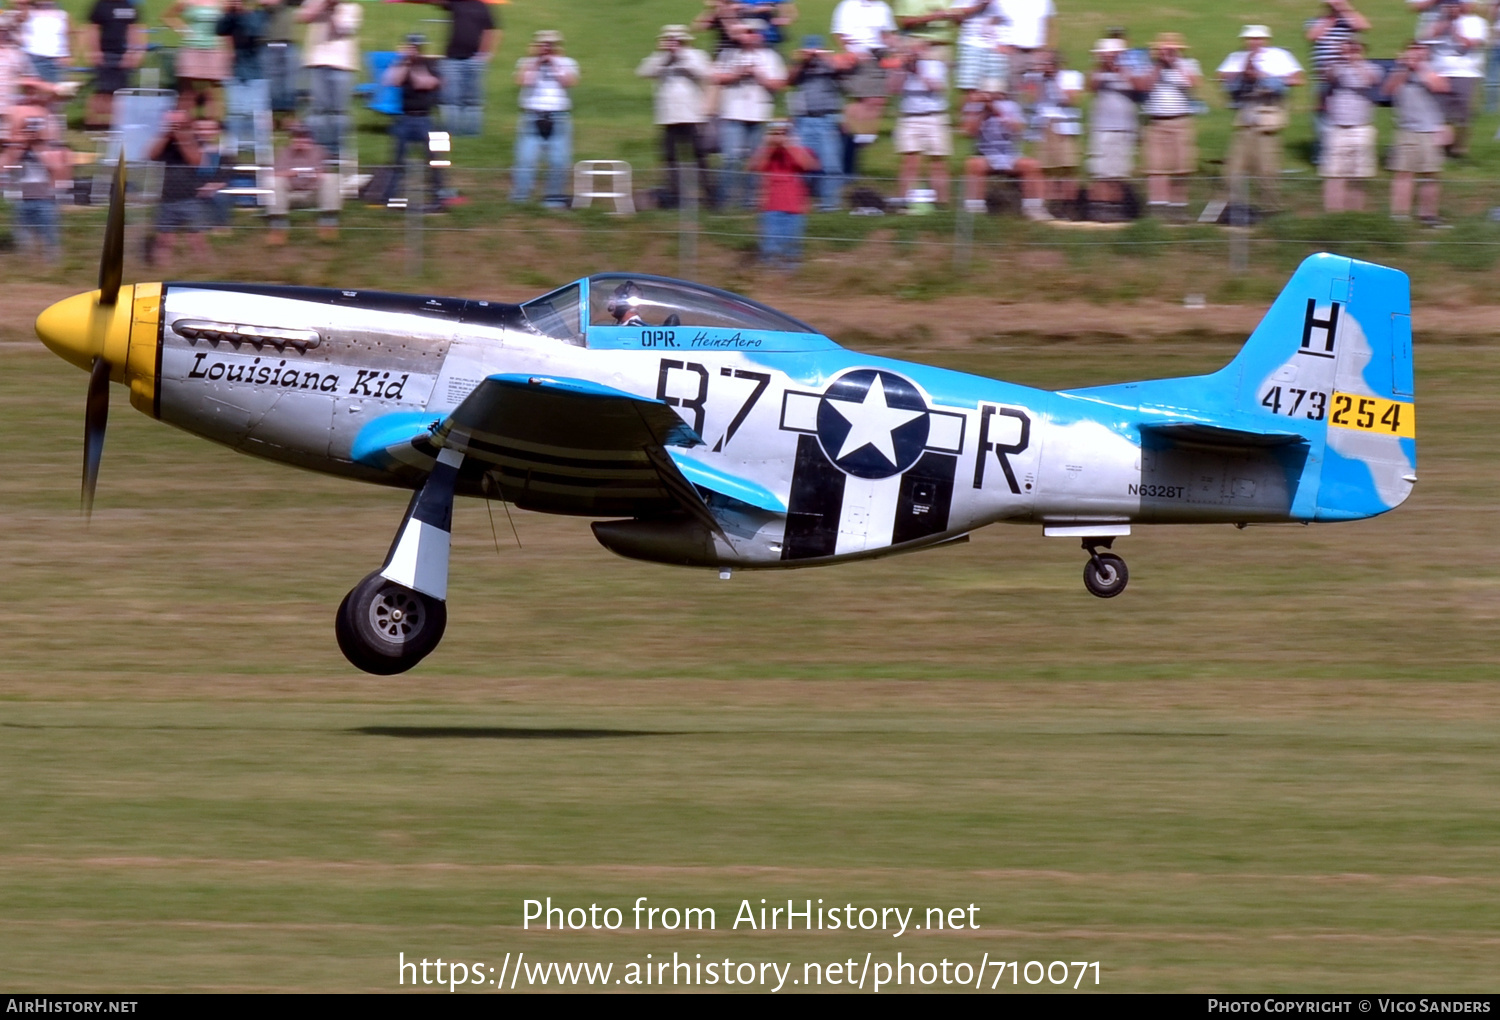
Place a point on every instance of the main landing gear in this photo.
(387, 628)
(1104, 574)
(396, 616)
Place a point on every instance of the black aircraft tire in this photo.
(385, 628)
(1105, 576)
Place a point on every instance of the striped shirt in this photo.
(1330, 45)
(1171, 95)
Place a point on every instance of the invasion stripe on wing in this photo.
(580, 466)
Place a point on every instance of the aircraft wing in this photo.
(1186, 433)
(574, 446)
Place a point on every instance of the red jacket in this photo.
(782, 169)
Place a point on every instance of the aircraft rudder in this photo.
(1370, 463)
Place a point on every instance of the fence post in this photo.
(413, 220)
(1239, 224)
(687, 220)
(963, 236)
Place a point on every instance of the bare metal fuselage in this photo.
(302, 375)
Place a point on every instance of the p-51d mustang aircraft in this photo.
(716, 432)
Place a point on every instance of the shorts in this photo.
(203, 65)
(927, 134)
(1418, 152)
(1112, 155)
(1171, 149)
(1002, 164)
(976, 64)
(1348, 151)
(1058, 152)
(111, 75)
(179, 217)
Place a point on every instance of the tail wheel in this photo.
(386, 628)
(1105, 575)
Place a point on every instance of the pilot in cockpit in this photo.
(623, 302)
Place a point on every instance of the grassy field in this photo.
(1271, 764)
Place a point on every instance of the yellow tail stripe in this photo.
(1375, 415)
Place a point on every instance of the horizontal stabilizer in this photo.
(1199, 434)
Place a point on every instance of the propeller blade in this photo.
(112, 259)
(95, 417)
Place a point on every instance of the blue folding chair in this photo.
(382, 98)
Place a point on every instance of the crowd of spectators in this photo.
(245, 74)
(943, 75)
(757, 116)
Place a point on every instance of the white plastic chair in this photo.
(611, 178)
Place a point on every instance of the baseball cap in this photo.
(1109, 46)
(1255, 32)
(547, 35)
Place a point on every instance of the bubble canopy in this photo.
(617, 299)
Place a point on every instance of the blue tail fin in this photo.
(1331, 362)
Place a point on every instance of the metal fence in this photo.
(960, 238)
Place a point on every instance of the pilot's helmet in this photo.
(625, 299)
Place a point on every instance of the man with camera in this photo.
(1348, 155)
(1457, 38)
(180, 210)
(682, 75)
(922, 126)
(748, 76)
(1335, 25)
(473, 35)
(818, 75)
(783, 165)
(997, 125)
(305, 176)
(331, 56)
(1171, 139)
(1416, 90)
(36, 165)
(546, 123)
(421, 84)
(1258, 80)
(1113, 123)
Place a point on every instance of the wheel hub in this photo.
(396, 614)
